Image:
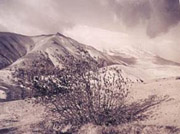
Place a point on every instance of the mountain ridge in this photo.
(19, 51)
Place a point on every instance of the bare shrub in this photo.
(81, 93)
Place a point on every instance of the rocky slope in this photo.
(17, 51)
(13, 47)
(20, 51)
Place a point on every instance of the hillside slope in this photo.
(17, 51)
(22, 117)
(13, 47)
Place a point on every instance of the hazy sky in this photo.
(49, 16)
(151, 22)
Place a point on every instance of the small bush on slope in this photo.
(79, 94)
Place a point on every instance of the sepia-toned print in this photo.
(89, 67)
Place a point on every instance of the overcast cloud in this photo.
(49, 16)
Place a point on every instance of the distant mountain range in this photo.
(20, 51)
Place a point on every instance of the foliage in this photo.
(81, 93)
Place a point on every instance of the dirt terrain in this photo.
(20, 116)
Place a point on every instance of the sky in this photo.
(104, 24)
